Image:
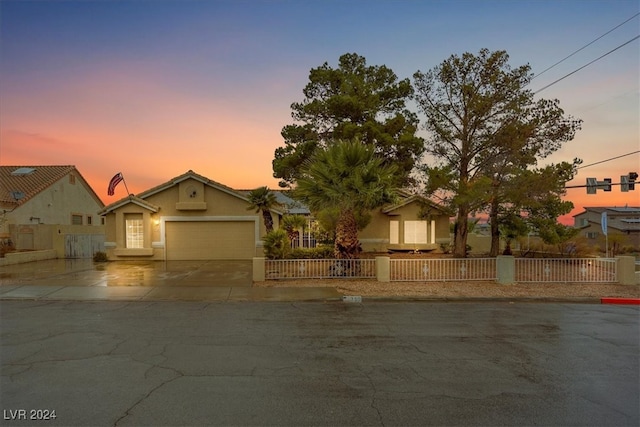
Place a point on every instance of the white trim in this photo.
(109, 245)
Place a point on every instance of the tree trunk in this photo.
(461, 232)
(268, 221)
(495, 230)
(347, 245)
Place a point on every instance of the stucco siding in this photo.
(376, 236)
(56, 204)
(187, 220)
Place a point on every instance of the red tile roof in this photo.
(26, 186)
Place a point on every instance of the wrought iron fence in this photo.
(320, 268)
(567, 270)
(425, 270)
(561, 270)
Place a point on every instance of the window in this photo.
(76, 219)
(592, 235)
(415, 231)
(135, 236)
(89, 220)
(394, 232)
(72, 179)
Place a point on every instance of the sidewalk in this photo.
(208, 281)
(83, 280)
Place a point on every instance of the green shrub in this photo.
(319, 252)
(276, 244)
(100, 257)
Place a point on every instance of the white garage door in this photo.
(201, 240)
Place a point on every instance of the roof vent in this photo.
(17, 195)
(23, 171)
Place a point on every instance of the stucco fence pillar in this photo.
(506, 269)
(383, 269)
(259, 269)
(626, 269)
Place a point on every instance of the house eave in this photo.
(127, 200)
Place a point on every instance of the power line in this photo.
(608, 160)
(586, 65)
(585, 46)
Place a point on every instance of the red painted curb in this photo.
(631, 301)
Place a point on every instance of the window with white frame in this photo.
(134, 230)
(415, 232)
(394, 232)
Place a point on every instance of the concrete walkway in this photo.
(80, 280)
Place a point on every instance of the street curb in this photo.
(510, 300)
(622, 301)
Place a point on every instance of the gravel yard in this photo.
(471, 289)
(458, 289)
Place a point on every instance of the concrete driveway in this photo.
(82, 279)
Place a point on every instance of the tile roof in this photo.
(16, 189)
(172, 182)
(291, 206)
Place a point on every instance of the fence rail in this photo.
(320, 268)
(523, 270)
(425, 270)
(568, 270)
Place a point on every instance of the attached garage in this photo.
(206, 240)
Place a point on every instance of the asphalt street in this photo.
(115, 363)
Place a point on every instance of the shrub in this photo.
(319, 252)
(276, 244)
(100, 257)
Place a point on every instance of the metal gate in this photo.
(83, 245)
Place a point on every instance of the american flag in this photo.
(114, 182)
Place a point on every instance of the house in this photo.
(49, 208)
(623, 221)
(414, 223)
(189, 217)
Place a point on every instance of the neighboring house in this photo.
(623, 220)
(49, 207)
(189, 217)
(413, 224)
(294, 207)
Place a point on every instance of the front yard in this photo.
(470, 289)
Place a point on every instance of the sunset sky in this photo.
(153, 89)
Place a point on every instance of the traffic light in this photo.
(624, 183)
(632, 180)
(607, 184)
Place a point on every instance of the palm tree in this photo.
(263, 200)
(350, 177)
(293, 224)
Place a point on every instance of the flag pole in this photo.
(125, 184)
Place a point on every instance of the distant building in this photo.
(49, 207)
(623, 220)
